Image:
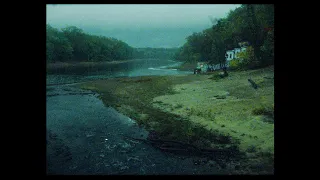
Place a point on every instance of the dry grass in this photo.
(195, 109)
(228, 106)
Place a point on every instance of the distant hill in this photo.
(155, 53)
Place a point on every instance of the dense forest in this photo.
(155, 53)
(72, 44)
(247, 23)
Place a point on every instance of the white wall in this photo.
(230, 55)
(236, 51)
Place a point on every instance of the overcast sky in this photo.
(139, 25)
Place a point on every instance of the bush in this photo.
(218, 76)
(245, 60)
(264, 110)
(235, 64)
(178, 106)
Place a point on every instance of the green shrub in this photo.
(178, 106)
(245, 60)
(264, 110)
(235, 64)
(218, 76)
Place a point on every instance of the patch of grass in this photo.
(231, 116)
(178, 106)
(143, 80)
(217, 76)
(264, 110)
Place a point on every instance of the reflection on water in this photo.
(143, 68)
(86, 138)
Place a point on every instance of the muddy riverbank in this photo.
(85, 137)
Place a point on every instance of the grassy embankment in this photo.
(202, 110)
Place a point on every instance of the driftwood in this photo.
(254, 85)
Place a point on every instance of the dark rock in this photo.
(254, 85)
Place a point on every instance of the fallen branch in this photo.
(254, 85)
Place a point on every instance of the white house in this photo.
(230, 55)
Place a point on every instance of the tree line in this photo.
(247, 23)
(155, 53)
(72, 44)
